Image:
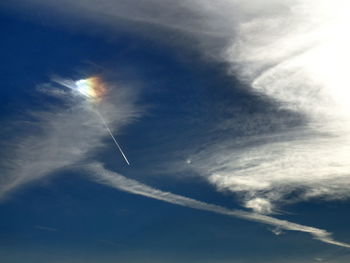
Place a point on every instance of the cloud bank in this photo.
(294, 52)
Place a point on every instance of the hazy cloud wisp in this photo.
(295, 52)
(65, 134)
(112, 179)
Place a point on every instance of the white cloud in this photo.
(278, 169)
(62, 135)
(295, 52)
(259, 205)
(115, 180)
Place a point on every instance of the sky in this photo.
(161, 131)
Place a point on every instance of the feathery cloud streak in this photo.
(63, 135)
(295, 52)
(112, 179)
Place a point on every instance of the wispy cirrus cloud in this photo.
(293, 52)
(62, 135)
(115, 180)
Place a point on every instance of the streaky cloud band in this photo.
(115, 180)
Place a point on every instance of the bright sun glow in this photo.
(314, 77)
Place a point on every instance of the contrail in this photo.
(111, 134)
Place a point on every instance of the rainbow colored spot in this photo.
(92, 88)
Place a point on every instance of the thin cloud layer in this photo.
(294, 52)
(63, 135)
(283, 168)
(112, 179)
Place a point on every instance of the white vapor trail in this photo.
(112, 179)
(114, 139)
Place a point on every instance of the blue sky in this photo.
(228, 152)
